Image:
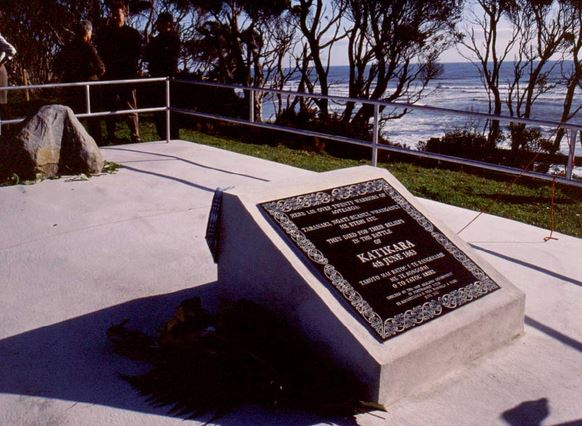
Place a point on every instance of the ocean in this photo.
(458, 87)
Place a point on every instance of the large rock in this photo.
(51, 142)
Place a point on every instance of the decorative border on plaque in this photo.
(412, 317)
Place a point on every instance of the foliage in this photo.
(474, 145)
(308, 119)
(14, 179)
(573, 74)
(393, 48)
(10, 179)
(202, 364)
(541, 31)
(30, 27)
(525, 200)
(111, 167)
(236, 38)
(529, 139)
(465, 143)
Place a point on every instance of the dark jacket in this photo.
(120, 48)
(78, 61)
(162, 54)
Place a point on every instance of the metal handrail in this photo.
(381, 103)
(375, 146)
(421, 154)
(98, 114)
(89, 113)
(86, 83)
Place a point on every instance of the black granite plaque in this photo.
(212, 236)
(383, 258)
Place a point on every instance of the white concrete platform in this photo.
(78, 256)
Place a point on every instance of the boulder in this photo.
(51, 142)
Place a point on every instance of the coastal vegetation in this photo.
(520, 199)
(392, 50)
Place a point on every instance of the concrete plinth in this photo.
(257, 263)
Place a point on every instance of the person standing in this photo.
(7, 52)
(162, 54)
(79, 61)
(120, 46)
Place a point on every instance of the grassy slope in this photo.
(523, 201)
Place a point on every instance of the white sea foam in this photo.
(459, 87)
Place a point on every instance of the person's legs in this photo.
(94, 123)
(110, 98)
(129, 101)
(158, 100)
(160, 125)
(79, 106)
(3, 93)
(160, 117)
(94, 128)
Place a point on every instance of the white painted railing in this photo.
(89, 113)
(374, 145)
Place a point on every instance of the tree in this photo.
(572, 73)
(489, 56)
(393, 48)
(34, 29)
(321, 27)
(547, 29)
(541, 30)
(242, 42)
(39, 28)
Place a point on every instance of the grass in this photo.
(13, 179)
(525, 200)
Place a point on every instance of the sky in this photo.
(453, 54)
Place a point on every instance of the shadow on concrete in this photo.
(173, 157)
(72, 360)
(528, 413)
(175, 179)
(571, 423)
(529, 265)
(573, 343)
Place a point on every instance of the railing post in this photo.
(251, 105)
(571, 153)
(375, 135)
(168, 121)
(88, 98)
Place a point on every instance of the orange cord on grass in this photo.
(503, 191)
(553, 199)
(553, 196)
(552, 209)
(510, 184)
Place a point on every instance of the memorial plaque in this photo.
(386, 261)
(212, 234)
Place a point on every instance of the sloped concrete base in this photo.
(257, 264)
